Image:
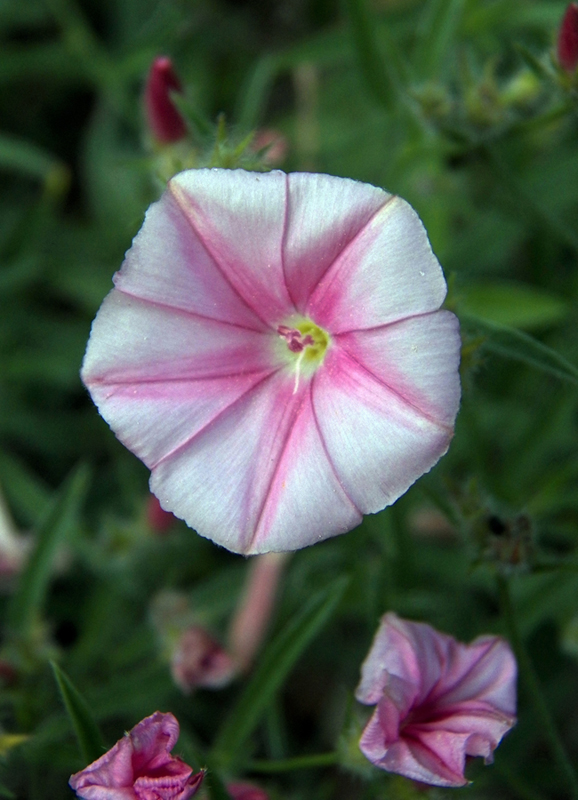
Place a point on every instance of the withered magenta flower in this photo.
(140, 766)
(437, 700)
(275, 353)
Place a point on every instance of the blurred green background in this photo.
(458, 106)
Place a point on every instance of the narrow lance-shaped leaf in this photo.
(4, 792)
(377, 73)
(52, 533)
(216, 789)
(437, 29)
(26, 158)
(275, 664)
(514, 344)
(87, 733)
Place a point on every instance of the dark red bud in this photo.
(568, 39)
(164, 120)
(159, 520)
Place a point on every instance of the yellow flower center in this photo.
(305, 346)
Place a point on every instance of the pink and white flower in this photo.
(140, 766)
(275, 353)
(437, 700)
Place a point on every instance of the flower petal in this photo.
(409, 757)
(392, 653)
(387, 273)
(240, 218)
(484, 671)
(324, 214)
(133, 341)
(305, 502)
(113, 771)
(168, 264)
(418, 358)
(150, 372)
(152, 739)
(477, 719)
(235, 482)
(154, 419)
(379, 443)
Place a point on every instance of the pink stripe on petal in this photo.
(440, 757)
(152, 739)
(485, 671)
(393, 652)
(219, 481)
(387, 273)
(134, 341)
(324, 214)
(154, 419)
(169, 264)
(113, 769)
(240, 218)
(408, 757)
(469, 717)
(379, 443)
(305, 501)
(418, 357)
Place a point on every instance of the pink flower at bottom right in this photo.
(437, 700)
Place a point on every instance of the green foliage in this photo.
(275, 664)
(87, 733)
(62, 518)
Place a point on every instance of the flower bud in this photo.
(272, 144)
(199, 661)
(238, 790)
(159, 520)
(164, 120)
(568, 39)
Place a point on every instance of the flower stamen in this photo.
(308, 342)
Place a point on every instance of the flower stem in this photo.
(534, 688)
(300, 762)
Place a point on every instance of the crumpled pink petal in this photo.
(140, 766)
(437, 700)
(186, 363)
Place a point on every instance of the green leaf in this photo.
(436, 31)
(275, 664)
(21, 156)
(254, 93)
(10, 740)
(26, 493)
(377, 71)
(87, 733)
(216, 789)
(28, 599)
(514, 344)
(513, 304)
(537, 66)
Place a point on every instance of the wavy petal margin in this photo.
(186, 364)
